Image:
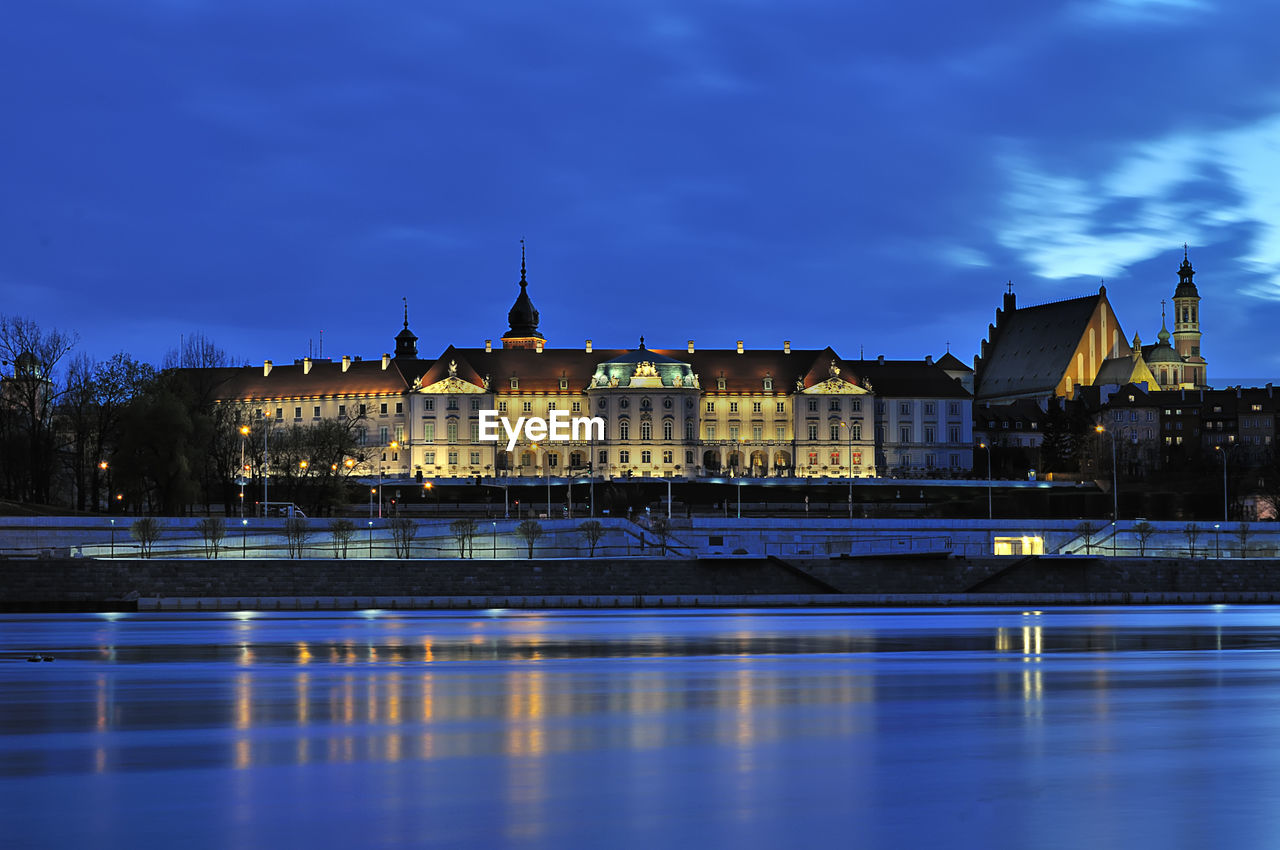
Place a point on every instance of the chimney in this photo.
(537, 346)
(690, 346)
(786, 346)
(266, 368)
(346, 362)
(306, 365)
(386, 360)
(739, 346)
(588, 346)
(928, 360)
(488, 346)
(880, 360)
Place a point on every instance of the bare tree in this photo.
(1193, 533)
(1145, 532)
(340, 533)
(31, 395)
(1088, 530)
(403, 530)
(1242, 535)
(195, 351)
(212, 531)
(146, 531)
(464, 532)
(661, 528)
(296, 534)
(529, 531)
(591, 531)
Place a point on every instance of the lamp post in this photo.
(1219, 450)
(113, 538)
(244, 436)
(848, 426)
(104, 466)
(495, 540)
(266, 429)
(244, 538)
(370, 538)
(1115, 489)
(1217, 541)
(990, 512)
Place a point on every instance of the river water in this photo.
(1072, 727)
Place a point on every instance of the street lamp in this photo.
(849, 427)
(113, 538)
(1217, 541)
(990, 514)
(103, 465)
(244, 539)
(495, 540)
(244, 436)
(1115, 481)
(1219, 450)
(370, 538)
(266, 429)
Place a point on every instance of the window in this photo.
(475, 405)
(382, 436)
(688, 430)
(720, 384)
(527, 407)
(624, 429)
(624, 456)
(453, 458)
(527, 459)
(315, 412)
(780, 433)
(297, 413)
(856, 458)
(564, 383)
(475, 458)
(733, 407)
(624, 403)
(711, 432)
(904, 434)
(755, 407)
(399, 407)
(1256, 408)
(768, 385)
(577, 407)
(399, 433)
(733, 432)
(813, 431)
(451, 432)
(757, 432)
(429, 457)
(953, 409)
(688, 458)
(646, 456)
(930, 435)
(834, 404)
(930, 460)
(382, 409)
(782, 407)
(953, 434)
(363, 410)
(342, 411)
(855, 405)
(430, 404)
(668, 429)
(502, 407)
(835, 458)
(451, 404)
(551, 405)
(904, 408)
(813, 405)
(667, 457)
(553, 460)
(835, 431)
(666, 403)
(515, 382)
(929, 409)
(279, 413)
(646, 431)
(711, 407)
(475, 432)
(604, 457)
(429, 431)
(955, 461)
(362, 436)
(813, 458)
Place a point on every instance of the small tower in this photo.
(406, 342)
(522, 317)
(1186, 325)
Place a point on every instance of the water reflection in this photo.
(667, 715)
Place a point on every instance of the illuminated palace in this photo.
(681, 413)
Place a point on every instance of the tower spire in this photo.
(406, 311)
(523, 282)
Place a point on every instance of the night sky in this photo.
(844, 173)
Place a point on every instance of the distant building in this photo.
(678, 413)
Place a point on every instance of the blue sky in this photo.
(860, 174)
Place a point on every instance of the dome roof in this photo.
(643, 355)
(644, 368)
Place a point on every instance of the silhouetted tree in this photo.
(529, 531)
(591, 531)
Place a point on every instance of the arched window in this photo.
(624, 430)
(646, 430)
(668, 429)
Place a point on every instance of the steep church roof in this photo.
(1033, 346)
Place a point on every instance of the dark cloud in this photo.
(820, 171)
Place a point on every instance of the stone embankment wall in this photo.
(25, 583)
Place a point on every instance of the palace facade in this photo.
(672, 413)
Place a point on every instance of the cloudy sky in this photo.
(860, 174)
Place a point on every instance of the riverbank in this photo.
(62, 584)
